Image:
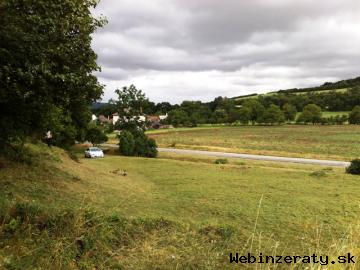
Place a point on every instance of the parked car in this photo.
(93, 152)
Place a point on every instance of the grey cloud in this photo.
(264, 43)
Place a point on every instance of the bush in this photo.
(221, 161)
(145, 147)
(127, 143)
(18, 153)
(151, 148)
(95, 136)
(354, 167)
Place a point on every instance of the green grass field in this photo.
(340, 90)
(323, 142)
(174, 212)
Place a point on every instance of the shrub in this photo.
(136, 143)
(127, 143)
(151, 148)
(95, 136)
(145, 147)
(221, 161)
(354, 167)
(18, 153)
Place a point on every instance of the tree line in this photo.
(263, 109)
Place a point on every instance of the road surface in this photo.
(253, 157)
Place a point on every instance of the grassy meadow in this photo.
(323, 142)
(340, 90)
(174, 212)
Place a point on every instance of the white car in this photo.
(93, 152)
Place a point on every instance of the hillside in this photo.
(173, 212)
(339, 86)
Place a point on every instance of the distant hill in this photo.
(342, 85)
(98, 105)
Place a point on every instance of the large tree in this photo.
(130, 109)
(256, 109)
(289, 112)
(46, 67)
(311, 114)
(273, 115)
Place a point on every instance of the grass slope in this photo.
(176, 212)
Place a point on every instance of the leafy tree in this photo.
(219, 116)
(289, 112)
(245, 115)
(354, 116)
(127, 143)
(197, 111)
(163, 107)
(273, 115)
(178, 117)
(256, 109)
(311, 114)
(46, 65)
(96, 136)
(130, 108)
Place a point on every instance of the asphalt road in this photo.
(253, 157)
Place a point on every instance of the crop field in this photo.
(323, 142)
(181, 212)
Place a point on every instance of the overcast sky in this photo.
(177, 50)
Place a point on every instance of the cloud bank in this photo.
(179, 50)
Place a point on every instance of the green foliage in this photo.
(272, 115)
(150, 148)
(127, 143)
(310, 114)
(245, 115)
(95, 135)
(18, 152)
(255, 108)
(221, 161)
(137, 144)
(144, 146)
(133, 141)
(289, 112)
(46, 68)
(354, 116)
(178, 117)
(354, 167)
(129, 107)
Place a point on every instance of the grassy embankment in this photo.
(323, 142)
(175, 212)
